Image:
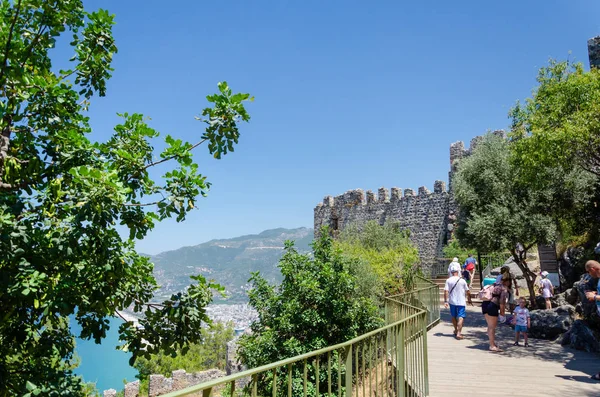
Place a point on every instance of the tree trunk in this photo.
(4, 146)
(519, 258)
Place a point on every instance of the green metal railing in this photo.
(491, 261)
(390, 361)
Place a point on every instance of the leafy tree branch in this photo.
(64, 200)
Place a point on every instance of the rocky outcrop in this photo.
(570, 265)
(549, 324)
(569, 297)
(581, 337)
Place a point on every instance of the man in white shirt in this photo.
(456, 291)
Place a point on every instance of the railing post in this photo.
(425, 361)
(400, 359)
(480, 266)
(387, 320)
(349, 371)
(386, 312)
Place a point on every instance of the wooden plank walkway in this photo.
(466, 367)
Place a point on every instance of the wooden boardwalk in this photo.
(466, 367)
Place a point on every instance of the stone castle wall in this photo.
(429, 216)
(179, 380)
(594, 52)
(423, 213)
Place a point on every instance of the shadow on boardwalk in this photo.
(545, 368)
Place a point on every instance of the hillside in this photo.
(228, 261)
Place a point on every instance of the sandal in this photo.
(595, 377)
(459, 337)
(526, 344)
(517, 344)
(496, 350)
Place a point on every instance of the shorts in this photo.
(521, 328)
(458, 311)
(490, 308)
(546, 293)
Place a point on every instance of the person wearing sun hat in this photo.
(454, 266)
(547, 289)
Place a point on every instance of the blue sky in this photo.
(349, 94)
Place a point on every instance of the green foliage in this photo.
(499, 208)
(556, 141)
(318, 304)
(385, 252)
(560, 120)
(210, 353)
(63, 199)
(455, 250)
(497, 211)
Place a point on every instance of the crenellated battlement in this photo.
(458, 150)
(428, 215)
(358, 197)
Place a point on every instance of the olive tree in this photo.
(500, 210)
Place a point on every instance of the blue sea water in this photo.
(103, 364)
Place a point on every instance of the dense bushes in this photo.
(384, 257)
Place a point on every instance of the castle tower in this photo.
(594, 52)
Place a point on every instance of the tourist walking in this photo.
(456, 291)
(469, 266)
(453, 266)
(547, 289)
(494, 309)
(592, 291)
(521, 321)
(513, 288)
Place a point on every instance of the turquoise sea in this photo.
(102, 363)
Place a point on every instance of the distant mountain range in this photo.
(229, 261)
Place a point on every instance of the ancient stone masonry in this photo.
(423, 214)
(159, 384)
(429, 216)
(594, 52)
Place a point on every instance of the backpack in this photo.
(466, 275)
(487, 292)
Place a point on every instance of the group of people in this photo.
(501, 296)
(457, 294)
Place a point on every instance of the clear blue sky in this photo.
(349, 94)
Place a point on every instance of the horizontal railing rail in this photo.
(439, 267)
(391, 360)
(491, 261)
(426, 295)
